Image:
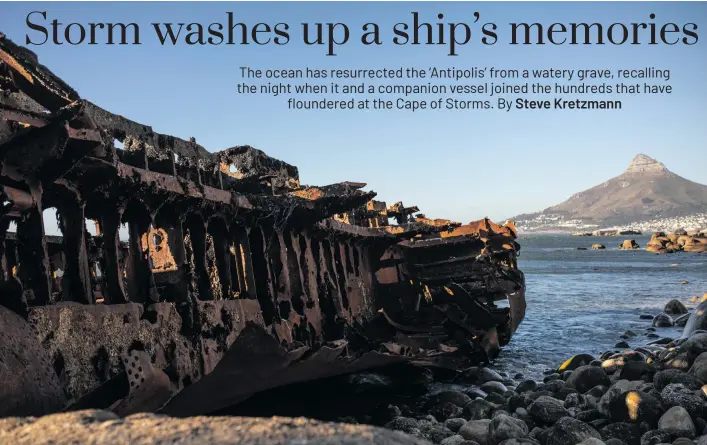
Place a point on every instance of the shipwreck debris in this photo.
(207, 277)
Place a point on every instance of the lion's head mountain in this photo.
(645, 196)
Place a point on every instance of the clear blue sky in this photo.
(459, 165)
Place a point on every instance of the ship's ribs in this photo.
(185, 280)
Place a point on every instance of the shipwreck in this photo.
(184, 280)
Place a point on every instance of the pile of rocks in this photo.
(675, 242)
(650, 395)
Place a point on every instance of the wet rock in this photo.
(489, 375)
(598, 246)
(547, 410)
(454, 424)
(576, 400)
(621, 344)
(661, 341)
(696, 344)
(585, 378)
(496, 398)
(453, 440)
(434, 432)
(526, 385)
(592, 441)
(683, 441)
(478, 409)
(663, 320)
(476, 430)
(634, 370)
(632, 406)
(668, 376)
(445, 410)
(654, 437)
(474, 393)
(404, 424)
(520, 441)
(504, 427)
(677, 422)
(630, 333)
(613, 442)
(699, 368)
(575, 362)
(518, 401)
(534, 395)
(681, 321)
(553, 376)
(675, 307)
(456, 397)
(496, 387)
(645, 317)
(628, 433)
(566, 375)
(677, 394)
(382, 415)
(569, 431)
(589, 415)
(597, 391)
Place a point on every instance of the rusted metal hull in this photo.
(212, 276)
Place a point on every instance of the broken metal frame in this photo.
(310, 281)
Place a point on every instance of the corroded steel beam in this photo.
(211, 276)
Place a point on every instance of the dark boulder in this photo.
(586, 377)
(654, 437)
(589, 415)
(636, 407)
(526, 385)
(677, 394)
(663, 321)
(677, 422)
(576, 400)
(695, 345)
(547, 410)
(675, 307)
(668, 376)
(404, 424)
(505, 427)
(454, 424)
(575, 362)
(569, 431)
(628, 433)
(682, 320)
(456, 397)
(476, 430)
(478, 409)
(493, 386)
(634, 370)
(445, 410)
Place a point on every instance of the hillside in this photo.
(645, 191)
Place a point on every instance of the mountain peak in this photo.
(645, 164)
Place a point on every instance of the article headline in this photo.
(452, 35)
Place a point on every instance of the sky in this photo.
(461, 165)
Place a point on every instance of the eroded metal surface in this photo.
(207, 277)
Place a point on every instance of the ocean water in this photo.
(582, 301)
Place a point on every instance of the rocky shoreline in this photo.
(648, 395)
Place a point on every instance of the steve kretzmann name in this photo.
(558, 103)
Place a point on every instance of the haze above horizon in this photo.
(456, 165)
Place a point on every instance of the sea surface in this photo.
(582, 301)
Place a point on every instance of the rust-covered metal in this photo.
(185, 281)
